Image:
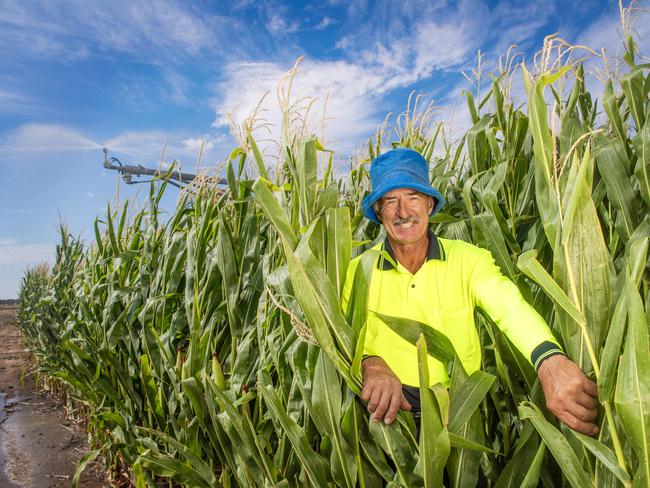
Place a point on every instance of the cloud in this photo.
(325, 23)
(150, 147)
(350, 109)
(354, 88)
(178, 87)
(14, 253)
(74, 28)
(389, 48)
(278, 25)
(88, 194)
(196, 144)
(12, 102)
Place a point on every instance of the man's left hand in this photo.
(570, 395)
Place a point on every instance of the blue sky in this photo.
(76, 75)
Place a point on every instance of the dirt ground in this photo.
(39, 447)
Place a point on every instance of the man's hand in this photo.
(382, 390)
(570, 395)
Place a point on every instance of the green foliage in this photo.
(209, 347)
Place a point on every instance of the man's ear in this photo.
(377, 208)
(432, 204)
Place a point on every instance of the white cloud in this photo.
(194, 144)
(72, 28)
(353, 87)
(7, 97)
(12, 253)
(178, 87)
(88, 194)
(149, 148)
(325, 23)
(12, 102)
(405, 53)
(350, 107)
(278, 25)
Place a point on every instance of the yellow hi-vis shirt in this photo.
(456, 278)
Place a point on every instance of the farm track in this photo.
(39, 447)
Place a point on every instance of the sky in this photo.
(156, 80)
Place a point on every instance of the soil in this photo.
(39, 446)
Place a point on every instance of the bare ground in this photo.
(39, 447)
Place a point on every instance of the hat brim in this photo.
(368, 202)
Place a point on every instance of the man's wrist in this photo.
(370, 361)
(549, 365)
(544, 351)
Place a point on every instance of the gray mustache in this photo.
(407, 220)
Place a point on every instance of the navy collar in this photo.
(434, 251)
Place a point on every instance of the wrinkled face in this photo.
(405, 215)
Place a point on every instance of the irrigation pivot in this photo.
(176, 178)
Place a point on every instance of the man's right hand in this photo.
(382, 390)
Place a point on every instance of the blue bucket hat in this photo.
(399, 168)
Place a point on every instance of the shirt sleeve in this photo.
(503, 302)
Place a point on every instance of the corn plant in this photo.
(209, 346)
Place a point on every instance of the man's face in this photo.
(405, 215)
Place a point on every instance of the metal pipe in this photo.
(128, 171)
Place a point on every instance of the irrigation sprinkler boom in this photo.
(176, 178)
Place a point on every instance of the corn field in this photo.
(208, 346)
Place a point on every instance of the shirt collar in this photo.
(434, 251)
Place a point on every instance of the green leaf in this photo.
(491, 237)
(468, 397)
(434, 441)
(584, 267)
(401, 449)
(320, 305)
(543, 145)
(528, 263)
(438, 344)
(641, 144)
(610, 104)
(274, 211)
(306, 168)
(612, 163)
(314, 464)
(339, 246)
(531, 480)
(199, 469)
(603, 454)
(85, 460)
(632, 395)
(558, 445)
(259, 160)
(612, 351)
(169, 467)
(635, 94)
(326, 403)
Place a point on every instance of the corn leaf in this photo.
(632, 395)
(434, 442)
(558, 445)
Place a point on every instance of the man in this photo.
(439, 282)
